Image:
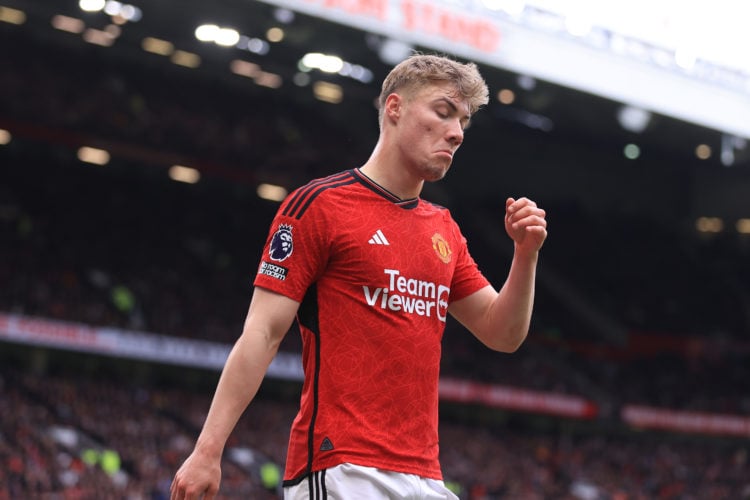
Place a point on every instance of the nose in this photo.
(456, 133)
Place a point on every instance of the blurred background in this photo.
(145, 147)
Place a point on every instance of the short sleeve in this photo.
(467, 278)
(295, 252)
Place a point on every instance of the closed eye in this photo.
(447, 109)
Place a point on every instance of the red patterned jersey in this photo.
(374, 276)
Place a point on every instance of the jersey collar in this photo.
(377, 188)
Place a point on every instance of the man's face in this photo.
(431, 128)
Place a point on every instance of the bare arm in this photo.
(501, 320)
(268, 319)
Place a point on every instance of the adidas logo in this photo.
(327, 445)
(378, 238)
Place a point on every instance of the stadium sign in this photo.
(691, 422)
(142, 346)
(684, 63)
(517, 399)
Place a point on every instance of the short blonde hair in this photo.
(420, 70)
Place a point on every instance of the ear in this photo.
(393, 105)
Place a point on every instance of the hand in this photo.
(198, 478)
(525, 224)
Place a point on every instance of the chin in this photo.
(435, 178)
(434, 174)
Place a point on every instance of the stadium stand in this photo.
(125, 247)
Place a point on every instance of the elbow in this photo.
(507, 348)
(516, 346)
(509, 342)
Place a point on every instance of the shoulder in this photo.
(436, 210)
(312, 193)
(433, 207)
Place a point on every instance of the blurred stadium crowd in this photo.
(152, 430)
(125, 246)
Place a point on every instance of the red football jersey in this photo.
(374, 275)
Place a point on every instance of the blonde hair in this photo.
(421, 70)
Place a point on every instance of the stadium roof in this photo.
(266, 44)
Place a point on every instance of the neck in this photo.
(389, 172)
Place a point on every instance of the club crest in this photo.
(441, 248)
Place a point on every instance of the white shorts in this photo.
(355, 482)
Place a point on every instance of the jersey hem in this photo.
(426, 473)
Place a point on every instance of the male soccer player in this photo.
(371, 271)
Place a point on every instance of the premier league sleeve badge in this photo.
(282, 243)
